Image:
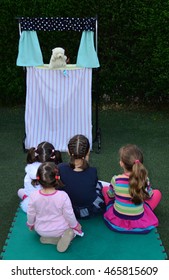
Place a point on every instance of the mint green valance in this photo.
(87, 56)
(29, 53)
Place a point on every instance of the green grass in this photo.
(148, 129)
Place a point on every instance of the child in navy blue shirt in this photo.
(81, 180)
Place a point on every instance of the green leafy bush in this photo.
(133, 47)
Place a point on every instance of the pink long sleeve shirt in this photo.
(50, 214)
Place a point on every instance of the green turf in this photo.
(148, 129)
(98, 243)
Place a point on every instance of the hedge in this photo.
(133, 47)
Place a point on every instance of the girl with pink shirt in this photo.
(50, 211)
(44, 152)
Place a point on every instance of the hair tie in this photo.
(137, 161)
(52, 157)
(57, 177)
(38, 178)
(36, 154)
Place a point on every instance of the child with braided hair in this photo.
(80, 180)
(45, 152)
(130, 199)
(50, 211)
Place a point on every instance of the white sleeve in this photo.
(31, 169)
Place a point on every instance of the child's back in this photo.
(45, 152)
(80, 180)
(80, 186)
(130, 199)
(50, 211)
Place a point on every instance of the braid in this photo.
(78, 147)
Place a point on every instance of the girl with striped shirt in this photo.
(130, 199)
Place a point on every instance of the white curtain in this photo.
(58, 106)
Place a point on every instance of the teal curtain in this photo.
(87, 56)
(29, 53)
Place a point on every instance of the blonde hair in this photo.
(132, 158)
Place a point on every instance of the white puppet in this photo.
(58, 58)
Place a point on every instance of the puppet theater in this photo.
(58, 101)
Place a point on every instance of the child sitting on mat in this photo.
(130, 199)
(44, 152)
(80, 180)
(50, 211)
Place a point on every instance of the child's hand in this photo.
(110, 192)
(78, 230)
(31, 227)
(78, 227)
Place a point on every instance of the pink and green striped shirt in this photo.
(123, 205)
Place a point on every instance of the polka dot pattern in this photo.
(57, 23)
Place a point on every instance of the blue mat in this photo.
(98, 243)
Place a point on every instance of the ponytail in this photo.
(138, 182)
(48, 175)
(132, 158)
(84, 164)
(44, 152)
(31, 155)
(58, 156)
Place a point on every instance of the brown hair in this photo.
(48, 175)
(78, 147)
(132, 158)
(44, 152)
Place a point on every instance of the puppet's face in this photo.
(58, 51)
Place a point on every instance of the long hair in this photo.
(78, 147)
(48, 175)
(132, 158)
(44, 152)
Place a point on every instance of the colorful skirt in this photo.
(144, 224)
